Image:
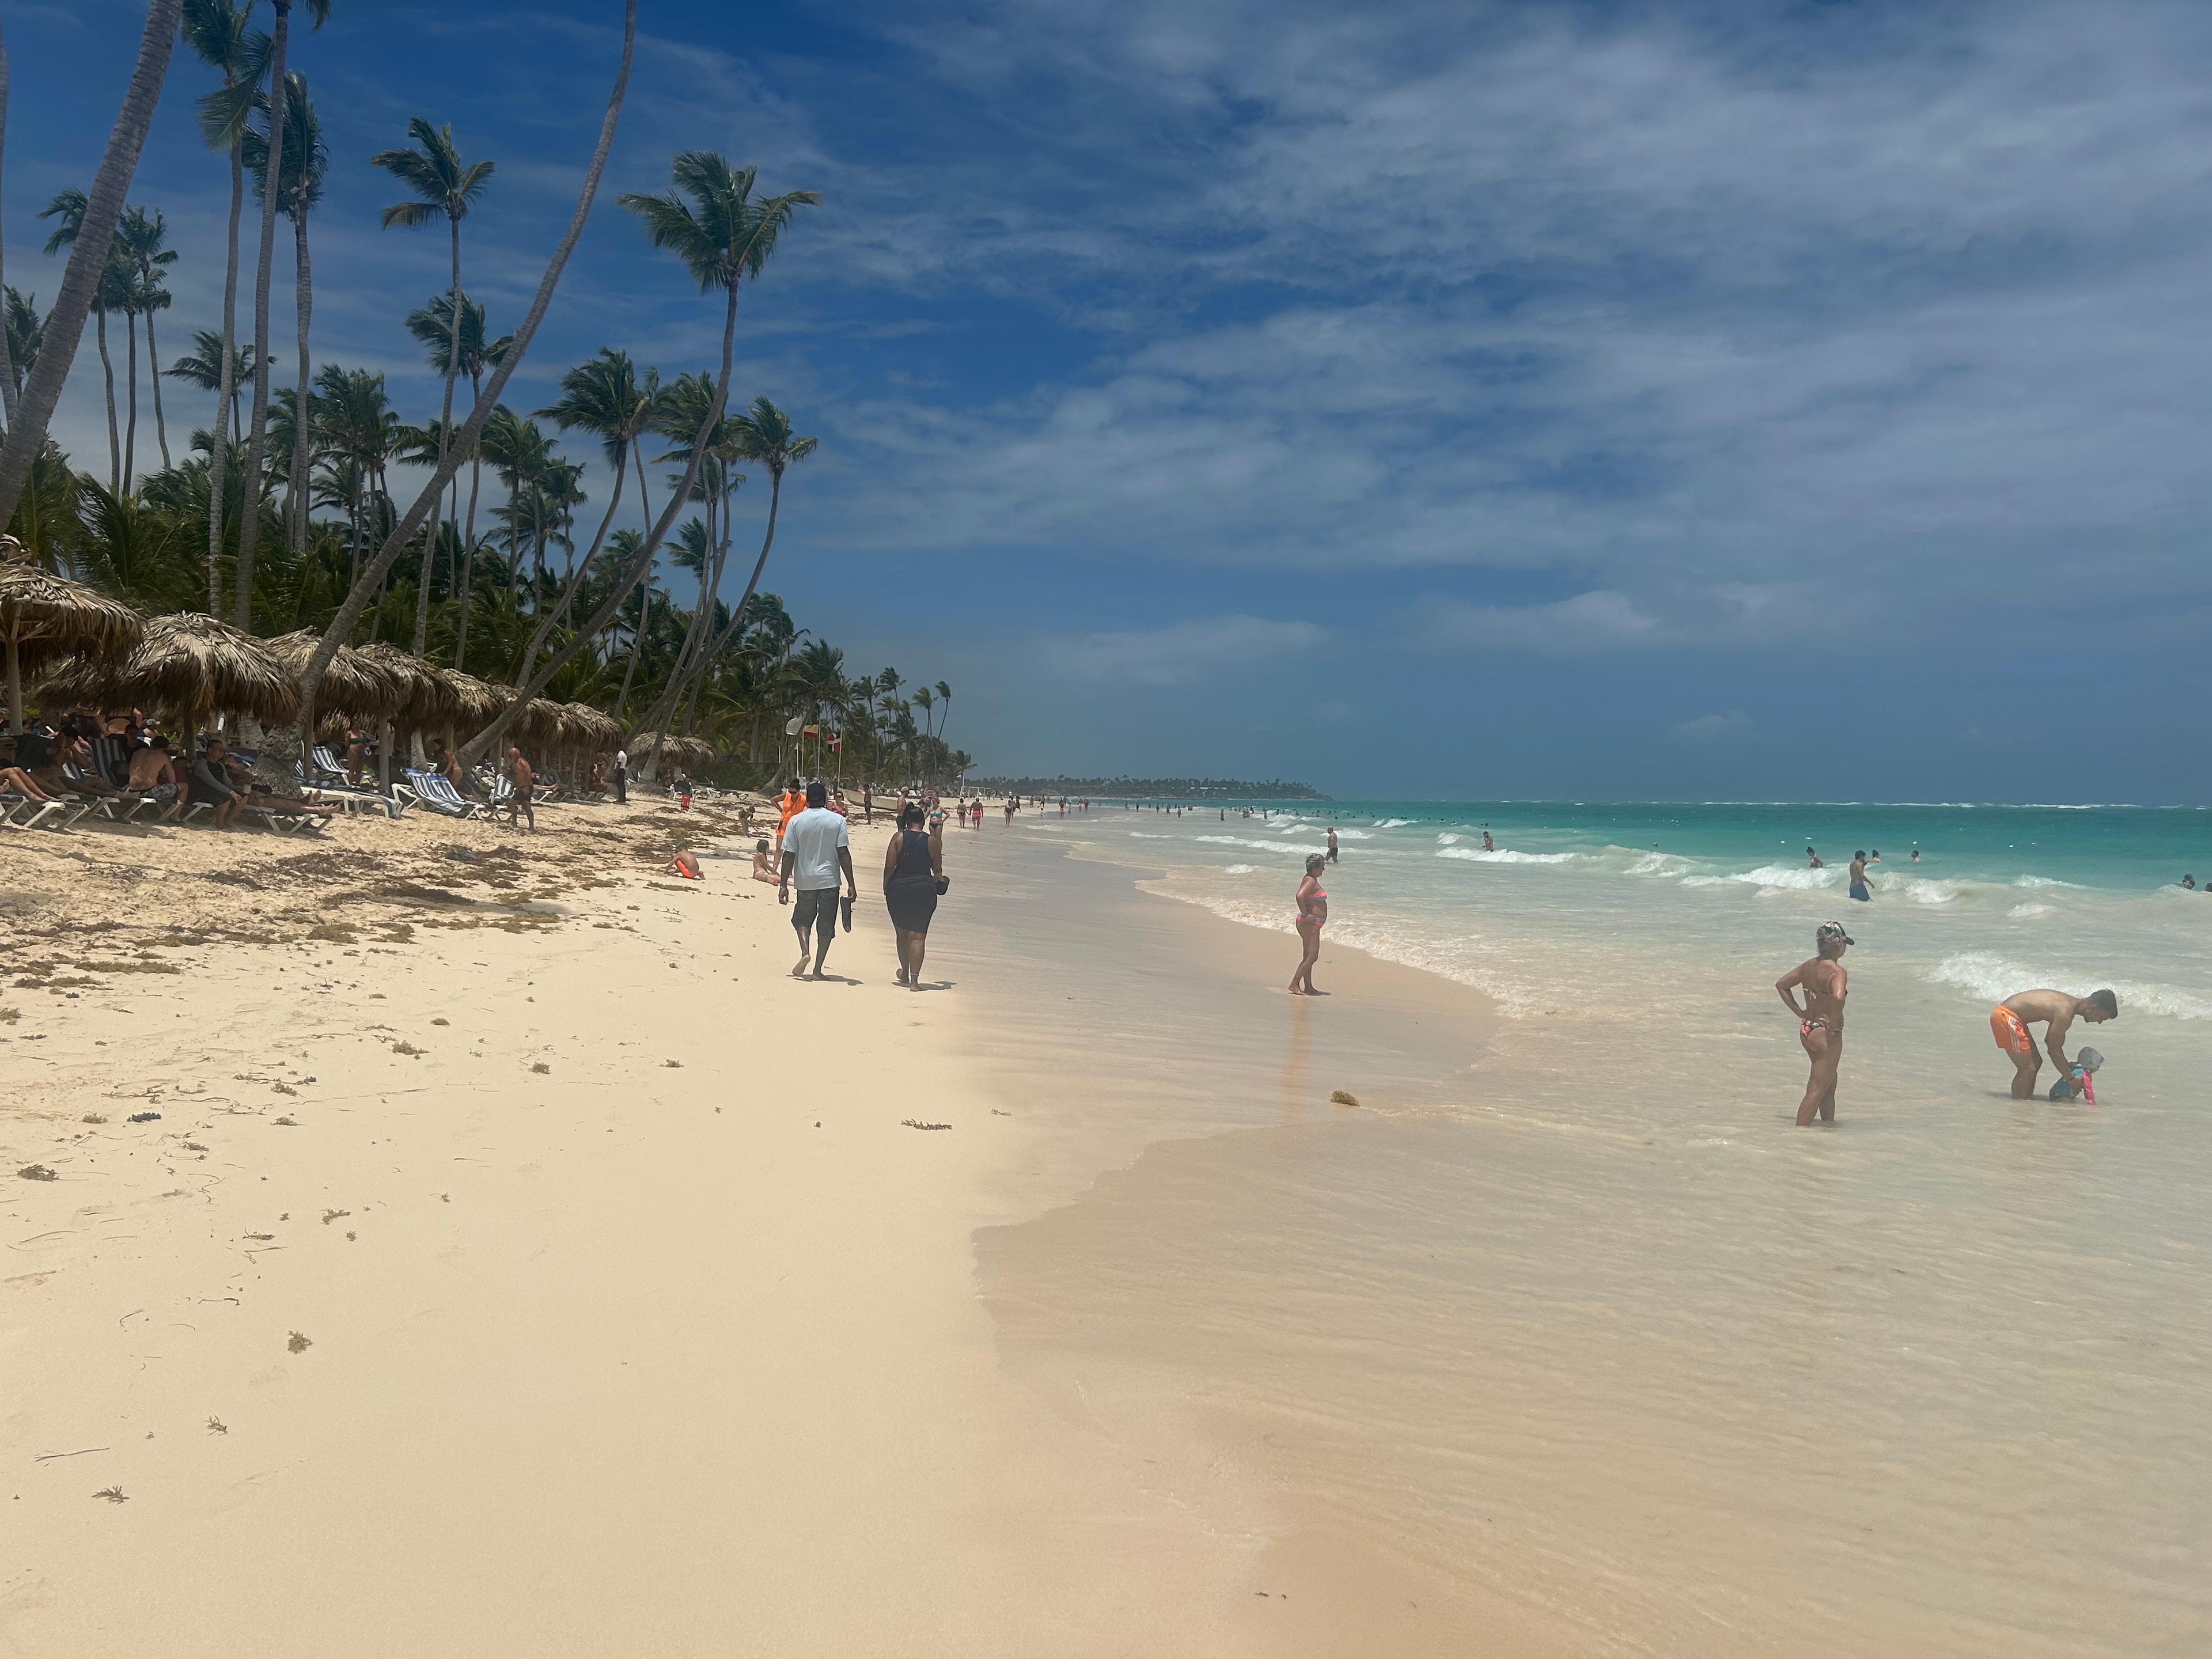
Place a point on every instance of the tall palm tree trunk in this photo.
(737, 617)
(706, 660)
(469, 538)
(107, 376)
(7, 358)
(573, 580)
(257, 436)
(671, 694)
(154, 379)
(445, 440)
(352, 518)
(645, 605)
(637, 649)
(303, 298)
(281, 753)
(27, 432)
(627, 581)
(131, 426)
(226, 401)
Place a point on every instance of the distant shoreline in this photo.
(1151, 788)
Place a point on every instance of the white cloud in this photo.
(1601, 620)
(1712, 728)
(1660, 297)
(1180, 653)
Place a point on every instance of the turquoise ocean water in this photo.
(1591, 1322)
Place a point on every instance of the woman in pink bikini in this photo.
(1824, 983)
(1312, 916)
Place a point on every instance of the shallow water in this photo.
(1592, 1326)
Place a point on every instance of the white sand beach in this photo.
(486, 1286)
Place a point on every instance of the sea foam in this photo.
(1994, 978)
(1504, 856)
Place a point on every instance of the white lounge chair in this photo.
(439, 794)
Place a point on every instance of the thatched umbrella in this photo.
(427, 701)
(193, 666)
(534, 725)
(593, 729)
(476, 704)
(44, 617)
(353, 684)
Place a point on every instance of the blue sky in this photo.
(1739, 400)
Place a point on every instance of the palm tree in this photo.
(203, 367)
(256, 431)
(604, 395)
(432, 324)
(111, 292)
(441, 184)
(218, 31)
(299, 172)
(11, 383)
(27, 432)
(356, 425)
(725, 236)
(143, 297)
(281, 753)
(762, 433)
(924, 700)
(143, 237)
(690, 402)
(26, 326)
(943, 702)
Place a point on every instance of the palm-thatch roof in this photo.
(427, 699)
(193, 665)
(355, 684)
(592, 728)
(476, 704)
(533, 724)
(44, 617)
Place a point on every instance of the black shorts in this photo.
(816, 908)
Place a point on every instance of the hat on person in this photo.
(1833, 930)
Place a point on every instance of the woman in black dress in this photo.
(914, 875)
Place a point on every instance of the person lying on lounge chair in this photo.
(67, 749)
(15, 778)
(250, 793)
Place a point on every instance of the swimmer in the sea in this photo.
(1858, 879)
(1824, 983)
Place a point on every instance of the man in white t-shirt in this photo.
(815, 851)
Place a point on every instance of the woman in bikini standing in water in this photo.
(1312, 916)
(1821, 1020)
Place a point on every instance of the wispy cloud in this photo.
(1180, 653)
(1712, 728)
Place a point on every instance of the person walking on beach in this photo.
(1332, 843)
(1820, 1018)
(621, 777)
(1312, 916)
(1858, 879)
(816, 851)
(913, 877)
(522, 803)
(789, 805)
(2056, 1011)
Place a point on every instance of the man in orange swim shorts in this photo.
(2009, 1020)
